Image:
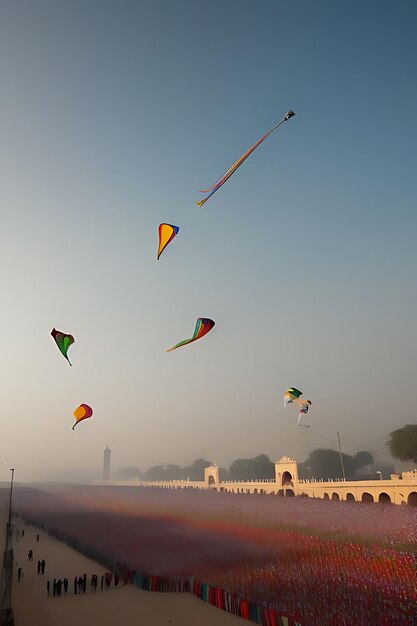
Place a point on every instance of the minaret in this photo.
(106, 463)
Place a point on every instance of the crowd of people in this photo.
(60, 587)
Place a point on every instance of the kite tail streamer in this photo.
(228, 173)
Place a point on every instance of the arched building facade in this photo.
(400, 489)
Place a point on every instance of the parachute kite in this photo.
(202, 327)
(167, 232)
(81, 413)
(228, 173)
(63, 341)
(294, 395)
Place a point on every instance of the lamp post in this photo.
(10, 501)
(341, 458)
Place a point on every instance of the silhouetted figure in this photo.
(102, 581)
(48, 587)
(54, 587)
(116, 580)
(19, 574)
(94, 582)
(80, 584)
(30, 555)
(23, 533)
(43, 566)
(58, 587)
(85, 583)
(39, 567)
(75, 585)
(37, 538)
(66, 585)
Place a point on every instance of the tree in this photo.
(157, 472)
(128, 473)
(172, 472)
(403, 443)
(224, 473)
(195, 471)
(326, 464)
(251, 469)
(363, 459)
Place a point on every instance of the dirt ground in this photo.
(125, 606)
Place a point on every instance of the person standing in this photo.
(19, 574)
(66, 585)
(39, 567)
(48, 585)
(43, 566)
(37, 538)
(30, 555)
(75, 585)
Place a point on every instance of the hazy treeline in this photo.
(320, 464)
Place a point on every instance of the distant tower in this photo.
(106, 463)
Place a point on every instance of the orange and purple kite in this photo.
(202, 327)
(167, 232)
(63, 341)
(81, 413)
(228, 173)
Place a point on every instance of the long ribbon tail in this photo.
(74, 425)
(220, 181)
(298, 421)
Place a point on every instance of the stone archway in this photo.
(326, 496)
(335, 496)
(412, 499)
(384, 498)
(350, 496)
(280, 493)
(367, 497)
(286, 479)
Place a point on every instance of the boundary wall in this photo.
(400, 489)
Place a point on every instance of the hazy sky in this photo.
(113, 115)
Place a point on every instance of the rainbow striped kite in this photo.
(202, 327)
(220, 181)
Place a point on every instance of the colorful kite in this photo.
(63, 341)
(220, 181)
(294, 395)
(167, 232)
(81, 413)
(203, 326)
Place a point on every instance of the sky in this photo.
(113, 115)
